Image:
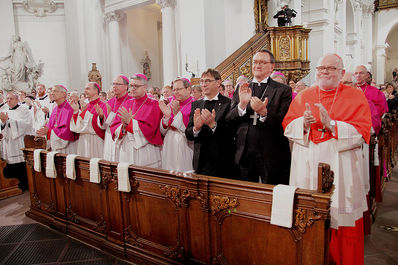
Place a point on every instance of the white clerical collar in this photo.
(43, 97)
(215, 98)
(14, 108)
(262, 82)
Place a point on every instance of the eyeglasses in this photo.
(178, 89)
(360, 73)
(118, 84)
(327, 68)
(256, 62)
(136, 86)
(206, 81)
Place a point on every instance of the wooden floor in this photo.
(380, 247)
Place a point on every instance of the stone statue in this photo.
(94, 75)
(146, 66)
(19, 70)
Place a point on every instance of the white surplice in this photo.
(18, 125)
(89, 143)
(177, 152)
(111, 149)
(345, 157)
(61, 145)
(135, 148)
(44, 101)
(3, 107)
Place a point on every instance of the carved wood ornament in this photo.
(222, 203)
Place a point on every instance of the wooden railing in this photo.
(175, 218)
(387, 141)
(288, 44)
(240, 62)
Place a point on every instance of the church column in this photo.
(113, 18)
(368, 33)
(356, 35)
(169, 40)
(380, 63)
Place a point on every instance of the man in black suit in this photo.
(257, 110)
(285, 15)
(208, 129)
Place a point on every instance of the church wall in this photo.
(85, 41)
(46, 38)
(7, 29)
(191, 40)
(142, 35)
(384, 22)
(228, 25)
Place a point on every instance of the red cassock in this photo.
(346, 105)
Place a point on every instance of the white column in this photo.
(368, 33)
(169, 40)
(380, 63)
(113, 18)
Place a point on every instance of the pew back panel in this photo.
(175, 218)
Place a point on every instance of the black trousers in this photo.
(18, 171)
(252, 168)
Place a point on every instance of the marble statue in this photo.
(18, 70)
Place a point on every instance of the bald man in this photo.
(328, 123)
(84, 122)
(371, 93)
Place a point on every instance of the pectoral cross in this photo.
(323, 130)
(254, 117)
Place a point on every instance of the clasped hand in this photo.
(245, 96)
(203, 117)
(310, 119)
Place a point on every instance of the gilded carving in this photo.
(260, 14)
(302, 220)
(131, 238)
(284, 48)
(176, 195)
(245, 68)
(221, 203)
(176, 252)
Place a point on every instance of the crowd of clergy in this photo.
(265, 130)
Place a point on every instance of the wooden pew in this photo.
(176, 218)
(9, 186)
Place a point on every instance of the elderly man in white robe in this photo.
(3, 107)
(177, 152)
(57, 130)
(15, 123)
(84, 122)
